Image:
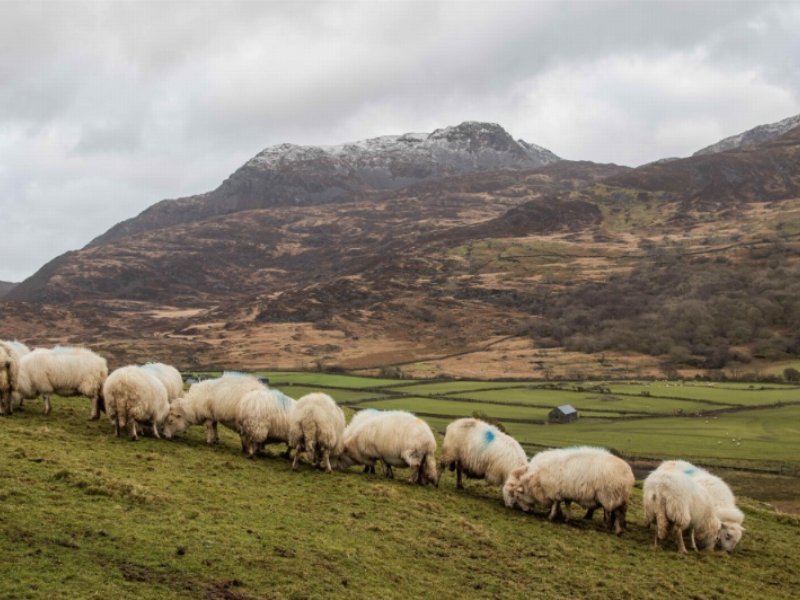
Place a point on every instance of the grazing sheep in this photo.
(262, 417)
(316, 427)
(211, 401)
(731, 518)
(675, 501)
(591, 477)
(169, 376)
(9, 376)
(481, 451)
(65, 371)
(363, 415)
(397, 439)
(510, 496)
(135, 395)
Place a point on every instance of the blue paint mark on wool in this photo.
(690, 470)
(282, 398)
(488, 436)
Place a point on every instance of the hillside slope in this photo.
(179, 519)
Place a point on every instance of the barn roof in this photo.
(567, 409)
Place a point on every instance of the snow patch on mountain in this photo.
(759, 134)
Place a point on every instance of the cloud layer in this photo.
(106, 108)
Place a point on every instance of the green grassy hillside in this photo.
(87, 515)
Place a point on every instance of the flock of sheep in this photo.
(678, 496)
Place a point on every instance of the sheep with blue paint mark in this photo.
(63, 370)
(590, 477)
(316, 427)
(263, 417)
(480, 451)
(134, 396)
(723, 500)
(395, 438)
(169, 376)
(211, 402)
(676, 502)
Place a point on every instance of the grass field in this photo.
(87, 515)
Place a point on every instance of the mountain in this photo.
(291, 175)
(752, 137)
(5, 287)
(481, 268)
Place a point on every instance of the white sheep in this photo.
(20, 349)
(397, 439)
(316, 427)
(591, 477)
(363, 415)
(134, 395)
(481, 451)
(66, 371)
(730, 516)
(262, 417)
(211, 401)
(169, 376)
(9, 376)
(675, 501)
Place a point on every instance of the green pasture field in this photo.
(585, 401)
(88, 515)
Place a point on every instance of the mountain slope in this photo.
(291, 175)
(5, 287)
(752, 137)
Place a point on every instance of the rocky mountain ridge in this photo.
(293, 175)
(752, 137)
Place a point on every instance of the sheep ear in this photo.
(743, 529)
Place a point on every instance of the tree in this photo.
(791, 374)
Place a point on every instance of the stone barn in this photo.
(565, 413)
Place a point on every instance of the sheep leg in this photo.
(387, 470)
(212, 437)
(567, 510)
(155, 431)
(245, 445)
(691, 537)
(589, 513)
(296, 461)
(116, 427)
(459, 484)
(95, 414)
(47, 407)
(555, 510)
(288, 453)
(326, 458)
(620, 522)
(132, 430)
(679, 540)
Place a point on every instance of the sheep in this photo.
(511, 485)
(134, 395)
(481, 451)
(12, 348)
(591, 477)
(9, 376)
(66, 371)
(363, 415)
(316, 427)
(262, 417)
(169, 376)
(731, 518)
(396, 438)
(211, 401)
(674, 500)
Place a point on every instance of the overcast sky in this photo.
(106, 108)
